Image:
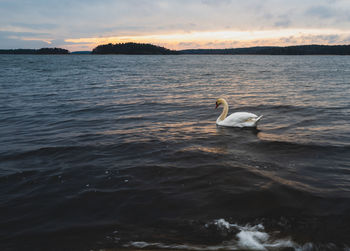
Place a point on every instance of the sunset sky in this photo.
(181, 24)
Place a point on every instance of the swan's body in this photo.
(237, 119)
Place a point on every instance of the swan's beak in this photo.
(217, 105)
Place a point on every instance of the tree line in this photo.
(276, 50)
(150, 49)
(36, 51)
(132, 49)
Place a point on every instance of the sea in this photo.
(118, 152)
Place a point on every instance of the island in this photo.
(132, 49)
(276, 50)
(150, 49)
(42, 51)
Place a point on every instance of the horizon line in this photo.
(227, 48)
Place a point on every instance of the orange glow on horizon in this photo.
(220, 39)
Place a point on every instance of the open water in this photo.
(122, 152)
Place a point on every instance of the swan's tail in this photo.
(258, 119)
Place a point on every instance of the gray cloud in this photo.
(22, 34)
(216, 2)
(321, 11)
(283, 21)
(62, 19)
(35, 26)
(15, 43)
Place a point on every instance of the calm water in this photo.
(100, 152)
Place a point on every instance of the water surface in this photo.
(118, 152)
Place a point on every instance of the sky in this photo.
(175, 24)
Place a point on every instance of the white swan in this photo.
(237, 119)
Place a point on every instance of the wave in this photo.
(284, 245)
(287, 145)
(214, 147)
(247, 237)
(45, 151)
(243, 238)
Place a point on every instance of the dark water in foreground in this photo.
(101, 152)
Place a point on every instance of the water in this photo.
(111, 152)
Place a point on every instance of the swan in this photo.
(237, 119)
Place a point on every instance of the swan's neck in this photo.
(224, 111)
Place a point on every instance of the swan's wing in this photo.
(240, 119)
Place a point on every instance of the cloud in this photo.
(35, 26)
(60, 20)
(216, 2)
(22, 34)
(321, 11)
(283, 21)
(14, 41)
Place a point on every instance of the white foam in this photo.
(221, 223)
(248, 238)
(252, 240)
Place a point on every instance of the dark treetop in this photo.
(150, 49)
(132, 48)
(34, 51)
(273, 50)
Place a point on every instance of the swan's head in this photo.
(219, 101)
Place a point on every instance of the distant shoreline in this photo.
(149, 49)
(42, 51)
